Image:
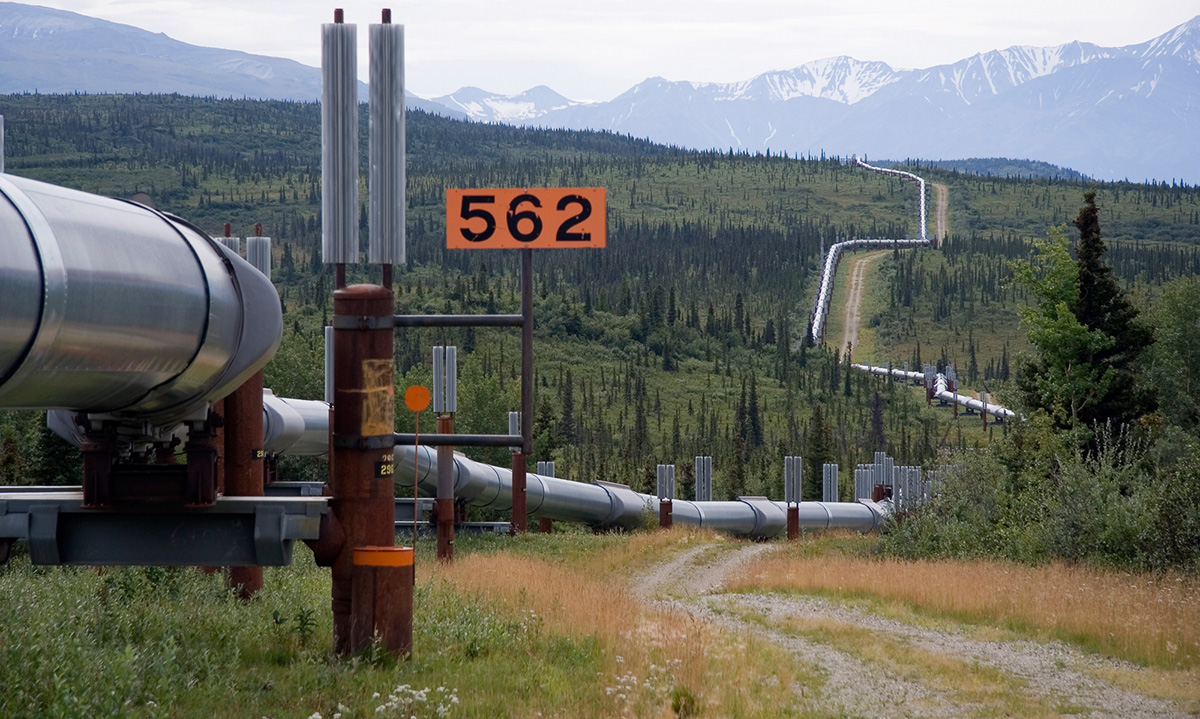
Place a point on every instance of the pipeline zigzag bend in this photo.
(942, 385)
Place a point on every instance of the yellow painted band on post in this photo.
(383, 556)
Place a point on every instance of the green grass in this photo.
(154, 642)
(149, 642)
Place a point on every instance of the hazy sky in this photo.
(596, 50)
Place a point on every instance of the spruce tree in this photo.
(1102, 305)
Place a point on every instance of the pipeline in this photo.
(908, 176)
(608, 505)
(122, 312)
(942, 389)
(301, 427)
(820, 311)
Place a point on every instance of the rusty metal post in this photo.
(361, 450)
(382, 603)
(793, 522)
(244, 464)
(664, 513)
(520, 519)
(444, 505)
(219, 411)
(546, 525)
(201, 451)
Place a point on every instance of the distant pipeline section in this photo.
(123, 314)
(608, 505)
(820, 311)
(941, 388)
(937, 384)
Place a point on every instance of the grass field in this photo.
(1141, 618)
(548, 626)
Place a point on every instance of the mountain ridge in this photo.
(61, 52)
(1076, 105)
(1110, 113)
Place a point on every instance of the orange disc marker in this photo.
(416, 398)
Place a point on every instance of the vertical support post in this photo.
(382, 603)
(244, 464)
(519, 517)
(201, 451)
(444, 505)
(792, 494)
(545, 524)
(666, 494)
(361, 450)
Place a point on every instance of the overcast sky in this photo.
(596, 50)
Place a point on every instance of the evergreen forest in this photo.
(687, 334)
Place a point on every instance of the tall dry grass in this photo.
(655, 657)
(1143, 618)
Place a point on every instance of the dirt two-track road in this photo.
(875, 666)
(856, 277)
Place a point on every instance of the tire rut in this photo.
(1055, 673)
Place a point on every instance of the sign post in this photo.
(526, 219)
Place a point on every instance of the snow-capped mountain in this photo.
(1112, 113)
(489, 107)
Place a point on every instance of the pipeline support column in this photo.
(244, 464)
(361, 461)
(444, 504)
(520, 520)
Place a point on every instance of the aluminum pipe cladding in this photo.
(111, 307)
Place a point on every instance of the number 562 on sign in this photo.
(510, 218)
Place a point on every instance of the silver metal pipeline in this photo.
(604, 504)
(890, 372)
(908, 176)
(302, 427)
(829, 273)
(941, 390)
(115, 309)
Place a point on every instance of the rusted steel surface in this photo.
(243, 460)
(664, 514)
(793, 522)
(445, 493)
(361, 480)
(520, 518)
(382, 605)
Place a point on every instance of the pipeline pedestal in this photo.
(382, 599)
(362, 464)
(445, 495)
(519, 518)
(243, 469)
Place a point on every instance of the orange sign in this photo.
(416, 398)
(542, 218)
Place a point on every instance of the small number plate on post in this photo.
(543, 218)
